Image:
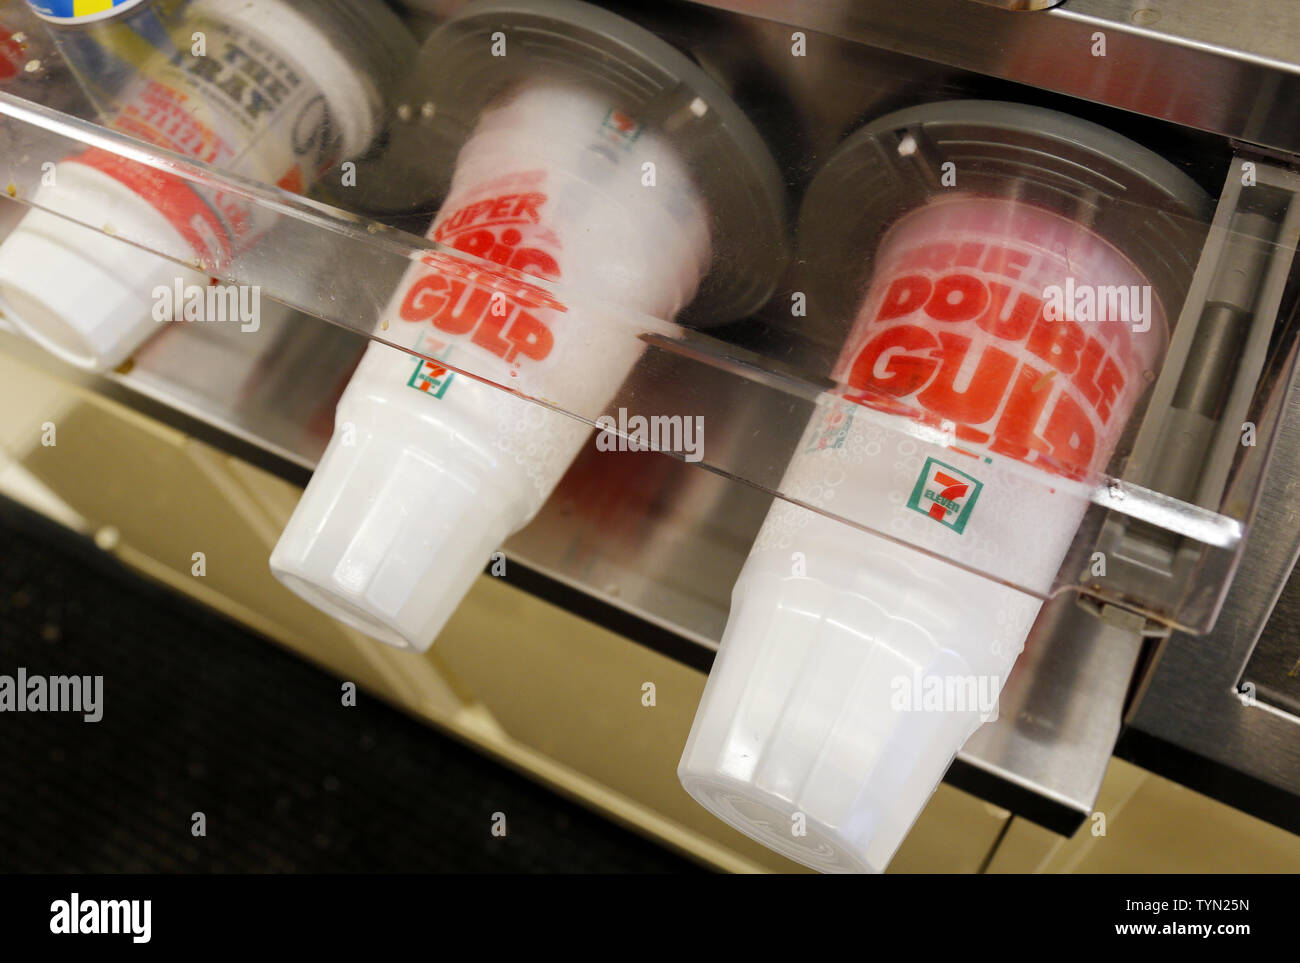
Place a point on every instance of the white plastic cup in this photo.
(88, 297)
(429, 471)
(852, 667)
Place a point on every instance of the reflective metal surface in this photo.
(1026, 5)
(1059, 717)
(1214, 712)
(1229, 68)
(1191, 439)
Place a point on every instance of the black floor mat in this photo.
(200, 715)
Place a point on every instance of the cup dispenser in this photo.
(888, 352)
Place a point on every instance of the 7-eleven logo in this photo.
(430, 377)
(620, 129)
(944, 493)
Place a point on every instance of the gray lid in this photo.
(645, 77)
(1133, 198)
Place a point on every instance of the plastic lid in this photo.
(837, 702)
(1100, 179)
(84, 296)
(394, 526)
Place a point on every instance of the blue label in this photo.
(80, 11)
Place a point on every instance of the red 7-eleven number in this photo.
(954, 490)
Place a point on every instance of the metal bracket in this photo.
(1192, 435)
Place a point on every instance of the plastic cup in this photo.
(299, 105)
(429, 471)
(854, 667)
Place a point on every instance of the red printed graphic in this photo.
(172, 197)
(431, 371)
(501, 313)
(953, 489)
(958, 336)
(11, 55)
(622, 122)
(210, 109)
(517, 209)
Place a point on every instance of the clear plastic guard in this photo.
(754, 385)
